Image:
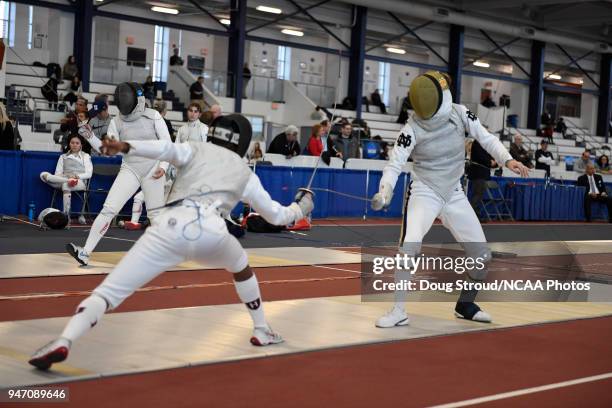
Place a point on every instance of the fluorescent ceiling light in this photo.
(225, 21)
(292, 32)
(394, 50)
(481, 64)
(164, 10)
(267, 9)
(554, 76)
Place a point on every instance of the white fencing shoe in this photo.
(264, 336)
(53, 352)
(395, 317)
(78, 253)
(471, 311)
(82, 220)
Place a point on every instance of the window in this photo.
(7, 22)
(283, 68)
(384, 71)
(160, 54)
(30, 21)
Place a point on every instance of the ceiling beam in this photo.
(494, 5)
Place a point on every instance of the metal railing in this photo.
(113, 70)
(585, 136)
(320, 94)
(261, 88)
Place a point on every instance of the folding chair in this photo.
(494, 204)
(83, 195)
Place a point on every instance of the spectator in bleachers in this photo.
(49, 91)
(603, 165)
(479, 171)
(194, 130)
(488, 102)
(286, 143)
(595, 191)
(175, 59)
(377, 101)
(75, 89)
(7, 135)
(361, 126)
(405, 106)
(162, 108)
(580, 165)
(315, 143)
(347, 144)
(246, 77)
(561, 127)
(519, 153)
(196, 93)
(100, 118)
(70, 68)
(16, 135)
(149, 91)
(544, 158)
(547, 119)
(73, 169)
(256, 154)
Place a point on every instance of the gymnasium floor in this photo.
(183, 339)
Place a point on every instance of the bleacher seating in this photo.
(301, 161)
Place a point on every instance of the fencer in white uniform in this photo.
(72, 171)
(192, 131)
(435, 138)
(134, 122)
(210, 181)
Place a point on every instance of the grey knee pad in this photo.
(480, 251)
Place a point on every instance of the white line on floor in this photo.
(336, 269)
(524, 391)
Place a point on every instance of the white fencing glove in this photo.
(382, 199)
(304, 199)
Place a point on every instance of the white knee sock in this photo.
(87, 314)
(98, 229)
(136, 210)
(67, 199)
(248, 292)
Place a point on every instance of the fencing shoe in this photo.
(53, 352)
(264, 336)
(471, 311)
(395, 317)
(78, 253)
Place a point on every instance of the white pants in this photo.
(423, 206)
(123, 188)
(61, 183)
(180, 233)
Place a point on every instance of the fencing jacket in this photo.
(195, 131)
(437, 146)
(70, 164)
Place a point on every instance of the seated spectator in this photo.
(256, 154)
(595, 191)
(175, 59)
(581, 164)
(315, 144)
(69, 126)
(377, 101)
(547, 119)
(519, 153)
(73, 169)
(70, 68)
(286, 143)
(405, 106)
(544, 158)
(385, 149)
(7, 135)
(561, 127)
(346, 144)
(488, 102)
(196, 93)
(194, 130)
(49, 91)
(75, 89)
(347, 104)
(149, 91)
(603, 165)
(16, 134)
(162, 108)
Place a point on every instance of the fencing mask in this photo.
(427, 93)
(52, 218)
(129, 98)
(232, 132)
